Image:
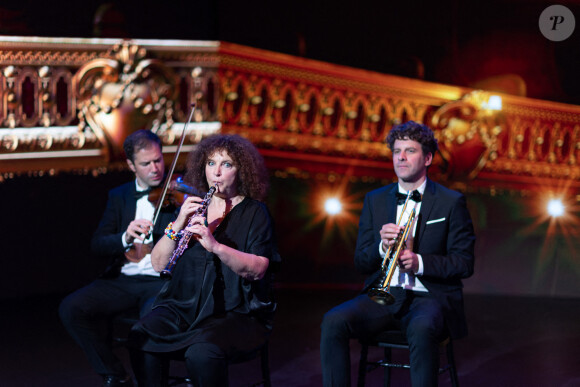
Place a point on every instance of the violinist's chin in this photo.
(155, 181)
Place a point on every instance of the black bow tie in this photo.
(140, 194)
(415, 195)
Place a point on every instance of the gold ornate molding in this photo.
(117, 97)
(67, 104)
(467, 133)
(304, 115)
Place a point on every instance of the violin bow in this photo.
(172, 168)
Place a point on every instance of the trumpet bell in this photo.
(381, 296)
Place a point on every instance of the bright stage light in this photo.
(555, 208)
(494, 102)
(332, 206)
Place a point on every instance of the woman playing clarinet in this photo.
(218, 304)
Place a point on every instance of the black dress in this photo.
(204, 289)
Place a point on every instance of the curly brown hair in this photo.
(412, 130)
(252, 176)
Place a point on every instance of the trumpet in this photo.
(380, 292)
(186, 235)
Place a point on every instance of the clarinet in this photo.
(186, 235)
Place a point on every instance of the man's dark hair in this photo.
(412, 130)
(138, 140)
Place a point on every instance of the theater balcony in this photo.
(66, 105)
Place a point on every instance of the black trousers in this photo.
(215, 343)
(420, 316)
(86, 314)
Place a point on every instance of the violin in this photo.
(177, 192)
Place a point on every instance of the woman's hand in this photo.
(188, 208)
(202, 233)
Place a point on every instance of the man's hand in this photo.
(138, 229)
(408, 262)
(389, 233)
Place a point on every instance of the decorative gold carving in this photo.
(47, 58)
(467, 134)
(117, 97)
(320, 116)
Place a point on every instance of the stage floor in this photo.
(513, 341)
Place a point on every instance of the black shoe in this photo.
(116, 381)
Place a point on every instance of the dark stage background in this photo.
(47, 223)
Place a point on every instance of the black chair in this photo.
(264, 354)
(395, 339)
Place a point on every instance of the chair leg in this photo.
(387, 372)
(265, 363)
(452, 367)
(362, 366)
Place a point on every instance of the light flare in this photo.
(338, 210)
(557, 211)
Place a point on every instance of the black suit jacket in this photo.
(119, 212)
(444, 238)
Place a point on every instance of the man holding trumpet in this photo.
(425, 297)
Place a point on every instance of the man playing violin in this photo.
(124, 235)
(426, 285)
